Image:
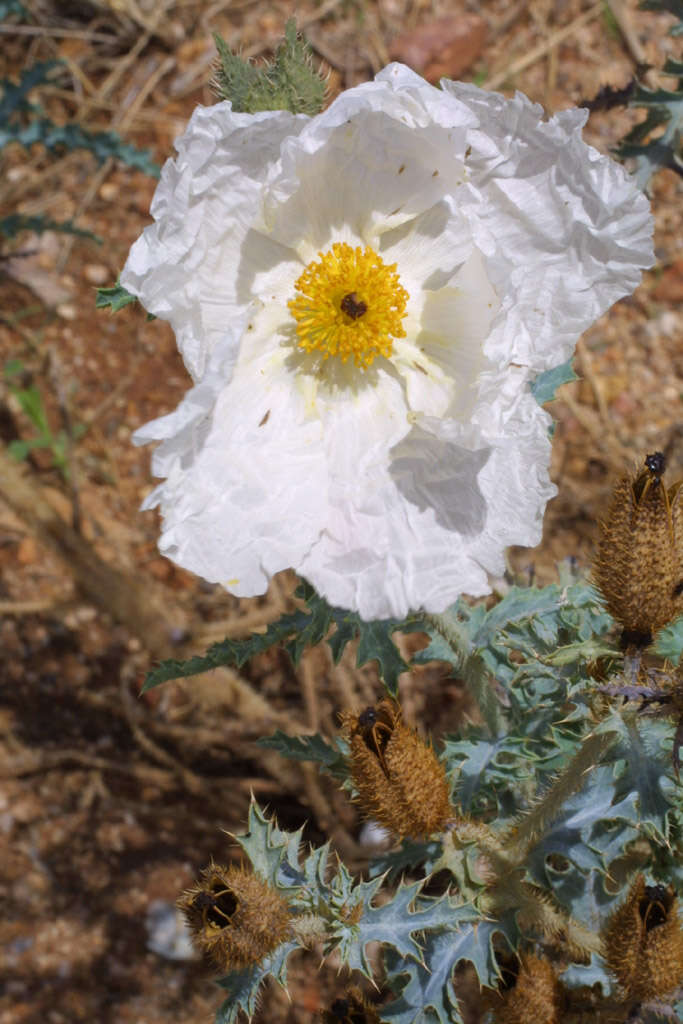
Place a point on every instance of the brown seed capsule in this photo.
(528, 991)
(643, 942)
(351, 1008)
(639, 564)
(235, 917)
(400, 781)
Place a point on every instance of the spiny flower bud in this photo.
(351, 1008)
(643, 942)
(400, 781)
(528, 991)
(639, 564)
(235, 916)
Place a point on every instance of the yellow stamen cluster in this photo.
(349, 304)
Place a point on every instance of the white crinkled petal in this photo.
(565, 230)
(229, 516)
(182, 268)
(445, 504)
(377, 173)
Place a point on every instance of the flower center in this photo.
(349, 304)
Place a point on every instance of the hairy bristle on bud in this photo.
(400, 781)
(351, 1008)
(643, 942)
(639, 564)
(528, 991)
(234, 916)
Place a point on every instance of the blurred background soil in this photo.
(111, 803)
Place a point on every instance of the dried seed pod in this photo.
(528, 991)
(235, 917)
(351, 1008)
(639, 564)
(400, 781)
(643, 942)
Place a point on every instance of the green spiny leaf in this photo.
(643, 753)
(571, 830)
(664, 115)
(491, 765)
(56, 137)
(590, 974)
(393, 924)
(244, 985)
(331, 758)
(409, 856)
(544, 386)
(669, 642)
(237, 652)
(15, 97)
(428, 994)
(297, 631)
(274, 854)
(115, 297)
(8, 7)
(11, 226)
(374, 638)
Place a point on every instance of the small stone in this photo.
(445, 47)
(97, 273)
(27, 552)
(160, 569)
(67, 311)
(109, 191)
(669, 288)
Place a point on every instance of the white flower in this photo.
(362, 299)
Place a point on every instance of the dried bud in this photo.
(528, 991)
(643, 942)
(351, 1008)
(235, 916)
(639, 564)
(400, 781)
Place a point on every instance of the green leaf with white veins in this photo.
(244, 985)
(393, 924)
(274, 854)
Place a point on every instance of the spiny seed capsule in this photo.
(400, 781)
(234, 916)
(352, 1008)
(528, 990)
(639, 564)
(643, 942)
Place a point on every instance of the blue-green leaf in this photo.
(296, 632)
(8, 7)
(274, 854)
(11, 226)
(426, 992)
(544, 386)
(244, 985)
(115, 297)
(669, 642)
(393, 924)
(56, 137)
(15, 97)
(330, 757)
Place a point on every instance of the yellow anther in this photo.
(349, 304)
